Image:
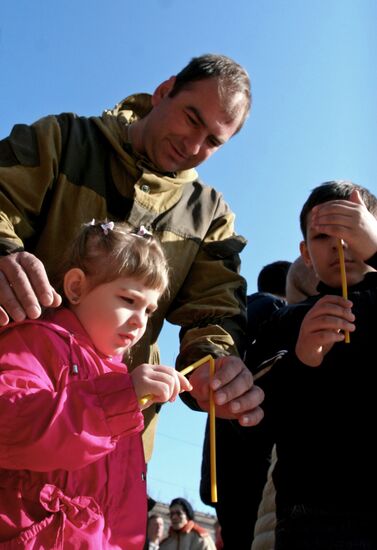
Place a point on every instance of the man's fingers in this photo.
(18, 297)
(227, 369)
(233, 379)
(10, 305)
(234, 389)
(249, 412)
(252, 418)
(56, 298)
(248, 401)
(37, 283)
(24, 287)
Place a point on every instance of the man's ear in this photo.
(305, 254)
(162, 91)
(74, 285)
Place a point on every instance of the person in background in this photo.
(72, 466)
(242, 467)
(320, 393)
(136, 163)
(219, 543)
(155, 532)
(274, 277)
(271, 285)
(302, 281)
(184, 533)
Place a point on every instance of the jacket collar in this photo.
(190, 526)
(65, 323)
(369, 281)
(127, 111)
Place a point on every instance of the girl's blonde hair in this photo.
(105, 251)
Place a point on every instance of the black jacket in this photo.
(323, 419)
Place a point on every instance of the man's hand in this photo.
(235, 395)
(322, 326)
(24, 288)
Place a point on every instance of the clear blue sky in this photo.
(313, 69)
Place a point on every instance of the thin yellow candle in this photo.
(185, 371)
(212, 433)
(344, 281)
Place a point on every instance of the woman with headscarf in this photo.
(184, 533)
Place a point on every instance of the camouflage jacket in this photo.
(65, 170)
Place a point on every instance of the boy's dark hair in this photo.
(335, 190)
(232, 77)
(272, 277)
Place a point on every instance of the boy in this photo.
(322, 418)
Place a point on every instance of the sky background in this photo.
(313, 68)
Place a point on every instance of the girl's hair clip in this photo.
(92, 222)
(109, 226)
(143, 232)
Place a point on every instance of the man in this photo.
(136, 163)
(155, 531)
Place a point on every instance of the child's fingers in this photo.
(185, 384)
(161, 383)
(168, 383)
(335, 306)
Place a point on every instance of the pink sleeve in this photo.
(48, 418)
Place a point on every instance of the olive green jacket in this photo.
(64, 170)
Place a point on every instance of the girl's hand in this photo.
(159, 383)
(321, 327)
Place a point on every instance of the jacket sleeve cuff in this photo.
(119, 403)
(8, 248)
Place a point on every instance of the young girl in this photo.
(72, 470)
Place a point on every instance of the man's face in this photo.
(321, 251)
(183, 131)
(178, 517)
(155, 528)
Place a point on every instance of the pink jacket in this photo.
(72, 470)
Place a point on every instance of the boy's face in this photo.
(321, 252)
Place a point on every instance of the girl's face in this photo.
(115, 314)
(321, 251)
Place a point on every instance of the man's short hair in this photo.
(232, 78)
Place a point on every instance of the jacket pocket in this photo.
(72, 523)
